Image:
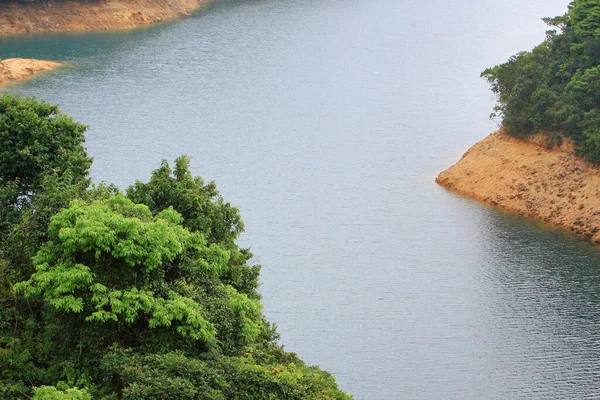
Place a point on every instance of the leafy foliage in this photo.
(555, 88)
(43, 165)
(104, 261)
(204, 211)
(52, 393)
(199, 203)
(173, 375)
(36, 141)
(140, 296)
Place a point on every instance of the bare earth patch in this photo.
(16, 69)
(553, 186)
(89, 15)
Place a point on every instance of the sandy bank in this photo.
(88, 15)
(16, 69)
(553, 186)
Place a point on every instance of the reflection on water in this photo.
(543, 291)
(326, 121)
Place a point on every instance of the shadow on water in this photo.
(74, 46)
(71, 46)
(541, 299)
(532, 253)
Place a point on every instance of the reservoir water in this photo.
(326, 122)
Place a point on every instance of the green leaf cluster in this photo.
(173, 375)
(142, 294)
(555, 88)
(52, 393)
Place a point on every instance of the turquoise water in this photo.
(326, 122)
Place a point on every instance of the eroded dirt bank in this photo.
(553, 186)
(87, 15)
(16, 69)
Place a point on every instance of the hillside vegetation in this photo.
(555, 88)
(141, 294)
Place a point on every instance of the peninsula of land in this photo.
(550, 185)
(69, 15)
(17, 69)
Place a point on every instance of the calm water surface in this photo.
(326, 122)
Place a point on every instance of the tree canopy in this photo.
(555, 88)
(142, 294)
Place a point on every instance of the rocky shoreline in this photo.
(549, 185)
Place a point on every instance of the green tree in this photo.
(173, 375)
(554, 88)
(144, 296)
(52, 393)
(43, 165)
(204, 211)
(36, 140)
(126, 277)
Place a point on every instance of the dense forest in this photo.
(135, 294)
(555, 88)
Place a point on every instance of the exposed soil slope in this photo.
(87, 15)
(15, 69)
(553, 186)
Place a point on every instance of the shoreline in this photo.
(549, 185)
(90, 15)
(20, 69)
(17, 18)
